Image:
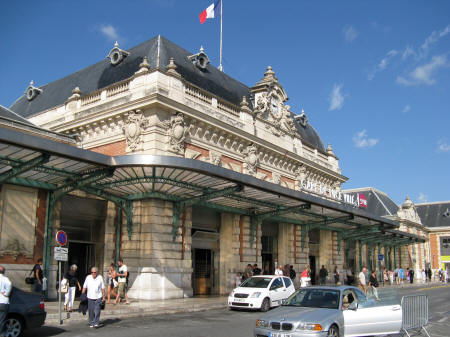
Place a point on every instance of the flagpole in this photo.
(221, 18)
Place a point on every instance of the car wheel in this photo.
(333, 331)
(265, 306)
(13, 326)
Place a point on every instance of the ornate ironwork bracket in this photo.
(339, 240)
(23, 167)
(281, 211)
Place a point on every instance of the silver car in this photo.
(333, 312)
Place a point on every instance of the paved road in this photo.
(223, 323)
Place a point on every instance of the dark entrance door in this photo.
(312, 265)
(201, 260)
(83, 255)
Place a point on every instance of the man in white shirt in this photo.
(122, 280)
(5, 290)
(95, 289)
(362, 279)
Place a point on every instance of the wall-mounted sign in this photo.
(357, 200)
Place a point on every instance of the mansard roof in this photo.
(378, 202)
(158, 51)
(434, 214)
(12, 116)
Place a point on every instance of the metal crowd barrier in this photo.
(414, 313)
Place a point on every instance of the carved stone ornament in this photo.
(408, 211)
(251, 159)
(276, 178)
(176, 132)
(215, 158)
(134, 125)
(300, 175)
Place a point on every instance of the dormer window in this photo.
(302, 119)
(32, 91)
(200, 60)
(116, 55)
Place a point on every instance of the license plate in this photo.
(277, 334)
(239, 300)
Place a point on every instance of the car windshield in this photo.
(314, 298)
(256, 282)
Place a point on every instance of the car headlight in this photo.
(255, 295)
(262, 323)
(309, 326)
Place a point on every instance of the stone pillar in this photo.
(285, 250)
(229, 260)
(160, 268)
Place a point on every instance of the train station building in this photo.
(156, 156)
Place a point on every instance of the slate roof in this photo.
(158, 50)
(11, 115)
(434, 214)
(378, 203)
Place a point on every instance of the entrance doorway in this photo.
(312, 265)
(269, 246)
(202, 262)
(83, 255)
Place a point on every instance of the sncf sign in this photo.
(357, 200)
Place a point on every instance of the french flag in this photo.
(213, 11)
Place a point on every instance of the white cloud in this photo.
(434, 37)
(406, 108)
(361, 140)
(350, 33)
(110, 32)
(383, 63)
(422, 197)
(423, 74)
(443, 146)
(336, 98)
(409, 51)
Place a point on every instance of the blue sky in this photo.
(372, 76)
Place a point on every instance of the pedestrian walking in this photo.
(292, 273)
(411, 276)
(336, 275)
(95, 289)
(112, 283)
(38, 276)
(5, 291)
(123, 284)
(305, 277)
(362, 279)
(279, 270)
(256, 270)
(73, 283)
(323, 273)
(373, 284)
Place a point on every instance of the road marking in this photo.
(443, 319)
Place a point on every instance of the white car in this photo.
(261, 292)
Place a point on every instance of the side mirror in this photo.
(353, 306)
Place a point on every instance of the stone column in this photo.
(160, 267)
(229, 252)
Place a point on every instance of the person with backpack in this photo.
(123, 282)
(38, 276)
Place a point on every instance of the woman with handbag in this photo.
(72, 283)
(38, 276)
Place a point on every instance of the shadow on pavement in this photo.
(109, 321)
(44, 331)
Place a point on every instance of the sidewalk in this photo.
(170, 306)
(138, 308)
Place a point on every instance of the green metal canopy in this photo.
(59, 168)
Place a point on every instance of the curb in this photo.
(53, 319)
